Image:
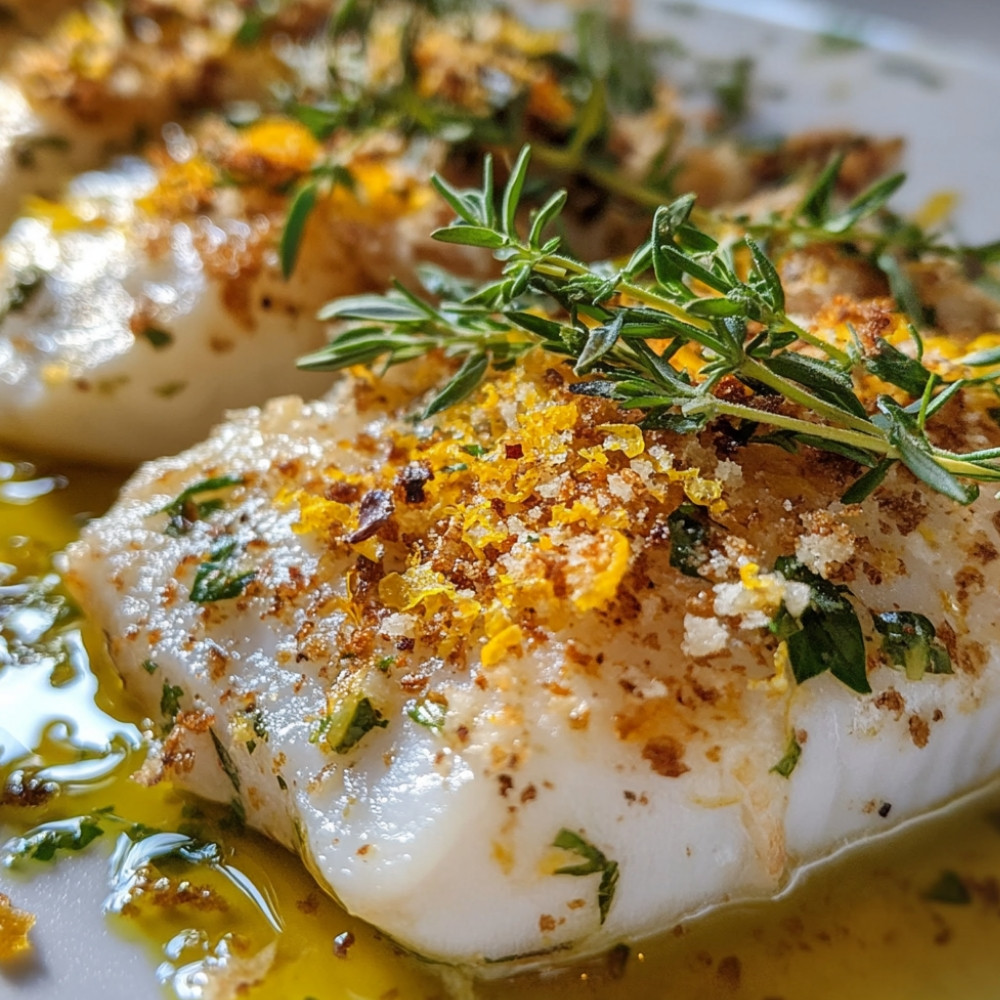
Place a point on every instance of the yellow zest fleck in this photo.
(501, 644)
(58, 215)
(596, 589)
(420, 583)
(14, 927)
(523, 486)
(503, 856)
(951, 348)
(378, 195)
(949, 603)
(482, 527)
(936, 210)
(624, 437)
(750, 576)
(55, 374)
(181, 187)
(704, 492)
(540, 429)
(511, 33)
(768, 588)
(284, 143)
(586, 511)
(91, 41)
(495, 619)
(596, 458)
(317, 514)
(778, 682)
(688, 359)
(464, 612)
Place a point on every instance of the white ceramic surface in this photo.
(941, 97)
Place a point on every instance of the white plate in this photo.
(943, 100)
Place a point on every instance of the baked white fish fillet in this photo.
(453, 666)
(149, 299)
(106, 75)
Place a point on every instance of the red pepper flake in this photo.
(513, 451)
(342, 943)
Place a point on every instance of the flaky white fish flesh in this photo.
(457, 668)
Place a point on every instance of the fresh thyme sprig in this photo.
(681, 288)
(868, 229)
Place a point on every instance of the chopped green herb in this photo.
(385, 662)
(22, 292)
(301, 207)
(689, 528)
(184, 509)
(259, 725)
(237, 813)
(837, 42)
(909, 640)
(225, 761)
(786, 765)
(41, 843)
(282, 784)
(158, 338)
(170, 704)
(732, 91)
(150, 666)
(217, 578)
(429, 711)
(594, 861)
(343, 728)
(827, 635)
(251, 29)
(167, 390)
(475, 450)
(27, 148)
(949, 888)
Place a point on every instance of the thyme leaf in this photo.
(429, 711)
(42, 843)
(594, 861)
(342, 728)
(909, 640)
(217, 578)
(788, 763)
(184, 510)
(827, 635)
(302, 204)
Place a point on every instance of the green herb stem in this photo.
(753, 369)
(719, 407)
